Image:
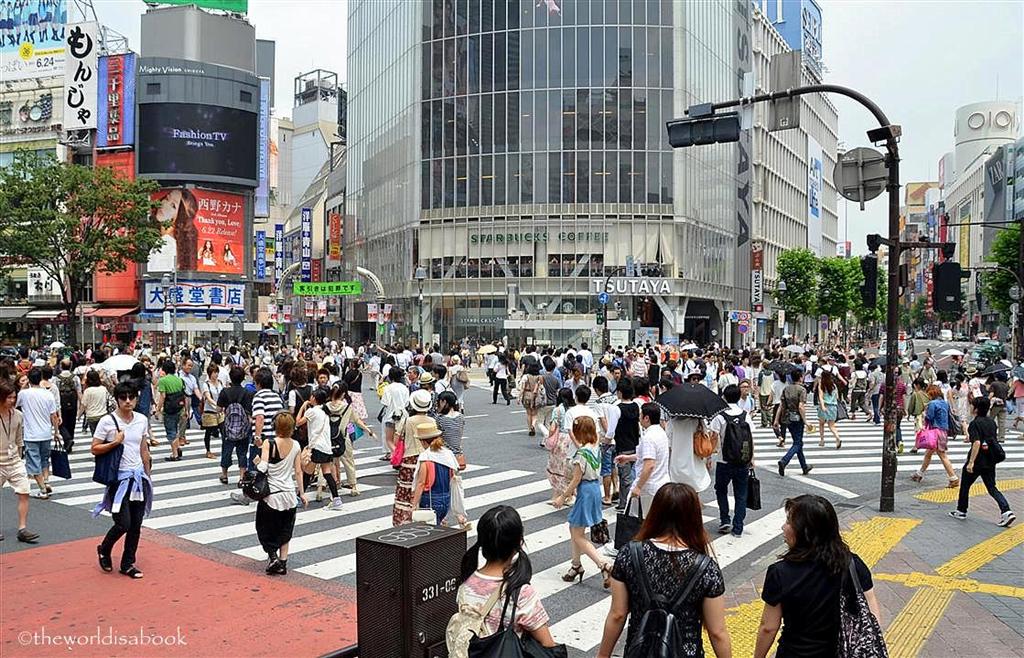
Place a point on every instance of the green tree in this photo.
(838, 286)
(1005, 253)
(919, 312)
(799, 269)
(70, 220)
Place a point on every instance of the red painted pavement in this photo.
(197, 606)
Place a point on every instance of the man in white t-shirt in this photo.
(581, 410)
(41, 418)
(607, 406)
(652, 456)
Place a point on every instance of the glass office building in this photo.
(517, 152)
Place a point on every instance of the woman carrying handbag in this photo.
(933, 436)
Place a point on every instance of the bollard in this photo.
(407, 579)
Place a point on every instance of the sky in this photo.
(310, 34)
(918, 60)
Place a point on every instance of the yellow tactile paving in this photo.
(915, 623)
(947, 495)
(967, 585)
(981, 554)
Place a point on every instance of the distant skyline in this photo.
(919, 60)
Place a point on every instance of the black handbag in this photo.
(599, 532)
(109, 463)
(627, 525)
(258, 486)
(753, 491)
(860, 635)
(505, 643)
(59, 464)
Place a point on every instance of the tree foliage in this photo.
(799, 269)
(1005, 253)
(70, 220)
(919, 312)
(838, 286)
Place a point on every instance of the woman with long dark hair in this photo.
(558, 444)
(828, 408)
(506, 572)
(801, 591)
(668, 555)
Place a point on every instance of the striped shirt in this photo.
(268, 404)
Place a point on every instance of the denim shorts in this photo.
(607, 460)
(37, 456)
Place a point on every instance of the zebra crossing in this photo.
(192, 504)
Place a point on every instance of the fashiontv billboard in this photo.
(189, 141)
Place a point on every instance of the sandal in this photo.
(105, 563)
(132, 572)
(954, 483)
(606, 573)
(210, 455)
(223, 479)
(575, 572)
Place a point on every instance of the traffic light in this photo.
(946, 287)
(712, 129)
(869, 290)
(600, 314)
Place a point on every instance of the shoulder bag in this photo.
(860, 636)
(59, 464)
(258, 487)
(109, 463)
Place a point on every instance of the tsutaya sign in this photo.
(538, 236)
(632, 286)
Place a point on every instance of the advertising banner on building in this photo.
(31, 113)
(815, 188)
(115, 120)
(205, 231)
(32, 44)
(757, 275)
(964, 242)
(307, 245)
(278, 254)
(261, 255)
(81, 92)
(122, 162)
(191, 296)
(334, 238)
(262, 207)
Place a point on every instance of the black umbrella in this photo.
(691, 401)
(880, 361)
(780, 368)
(995, 369)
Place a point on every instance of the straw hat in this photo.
(427, 378)
(426, 432)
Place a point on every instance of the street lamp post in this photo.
(781, 289)
(420, 275)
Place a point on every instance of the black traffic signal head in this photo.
(714, 129)
(946, 279)
(869, 289)
(874, 242)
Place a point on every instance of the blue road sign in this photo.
(300, 326)
(603, 297)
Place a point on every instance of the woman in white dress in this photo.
(684, 466)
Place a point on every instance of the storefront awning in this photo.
(11, 313)
(111, 312)
(44, 315)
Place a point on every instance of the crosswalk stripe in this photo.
(362, 505)
(936, 466)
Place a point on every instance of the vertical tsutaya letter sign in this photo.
(262, 206)
(743, 66)
(306, 237)
(261, 255)
(278, 254)
(80, 77)
(757, 275)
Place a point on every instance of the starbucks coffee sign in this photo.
(537, 236)
(632, 286)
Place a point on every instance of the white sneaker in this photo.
(957, 514)
(610, 550)
(240, 498)
(1006, 518)
(334, 505)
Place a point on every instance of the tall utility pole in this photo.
(705, 127)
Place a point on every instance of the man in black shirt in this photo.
(627, 436)
(981, 464)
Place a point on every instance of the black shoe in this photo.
(173, 459)
(725, 528)
(27, 536)
(533, 433)
(808, 470)
(105, 562)
(278, 568)
(782, 470)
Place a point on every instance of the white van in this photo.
(945, 335)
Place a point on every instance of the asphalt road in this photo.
(506, 466)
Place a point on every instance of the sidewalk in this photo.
(947, 588)
(192, 602)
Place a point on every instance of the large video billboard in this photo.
(188, 140)
(205, 231)
(32, 43)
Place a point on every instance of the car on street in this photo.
(981, 338)
(988, 353)
(945, 335)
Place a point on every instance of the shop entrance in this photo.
(649, 314)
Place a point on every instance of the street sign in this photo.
(603, 297)
(300, 325)
(782, 319)
(326, 288)
(1014, 308)
(823, 321)
(785, 71)
(860, 174)
(743, 327)
(1015, 293)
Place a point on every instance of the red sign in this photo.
(757, 255)
(205, 231)
(122, 162)
(317, 270)
(334, 235)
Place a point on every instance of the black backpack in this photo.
(174, 402)
(737, 440)
(338, 430)
(656, 634)
(301, 434)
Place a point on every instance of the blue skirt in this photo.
(831, 412)
(587, 509)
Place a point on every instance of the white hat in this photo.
(420, 400)
(39, 362)
(814, 358)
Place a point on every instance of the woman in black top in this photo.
(803, 588)
(673, 542)
(983, 435)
